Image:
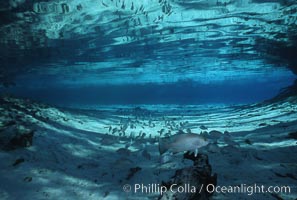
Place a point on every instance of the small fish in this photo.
(182, 142)
(124, 127)
(143, 135)
(188, 130)
(161, 131)
(203, 127)
(114, 130)
(132, 134)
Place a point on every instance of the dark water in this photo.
(227, 92)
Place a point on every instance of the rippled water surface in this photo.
(167, 48)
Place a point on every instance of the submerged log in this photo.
(190, 183)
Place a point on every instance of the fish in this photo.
(203, 127)
(182, 142)
(161, 131)
(114, 130)
(124, 127)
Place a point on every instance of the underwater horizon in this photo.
(151, 99)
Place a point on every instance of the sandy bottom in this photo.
(87, 154)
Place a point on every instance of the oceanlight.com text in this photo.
(210, 188)
(248, 189)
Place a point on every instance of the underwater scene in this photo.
(148, 100)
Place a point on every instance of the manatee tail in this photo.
(163, 147)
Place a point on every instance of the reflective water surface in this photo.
(150, 44)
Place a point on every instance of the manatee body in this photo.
(182, 142)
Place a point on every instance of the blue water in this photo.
(150, 75)
(227, 92)
(160, 52)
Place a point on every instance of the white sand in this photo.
(74, 155)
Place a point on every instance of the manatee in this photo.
(182, 142)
